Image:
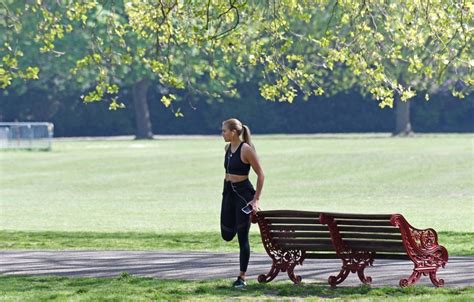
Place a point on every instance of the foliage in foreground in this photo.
(388, 49)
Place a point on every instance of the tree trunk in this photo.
(402, 118)
(142, 114)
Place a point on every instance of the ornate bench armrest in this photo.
(420, 242)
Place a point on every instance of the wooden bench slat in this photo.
(287, 241)
(293, 220)
(288, 213)
(283, 227)
(352, 235)
(307, 247)
(293, 213)
(279, 234)
(342, 222)
(392, 256)
(316, 255)
(360, 216)
(376, 246)
(358, 229)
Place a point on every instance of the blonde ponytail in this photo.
(246, 135)
(241, 129)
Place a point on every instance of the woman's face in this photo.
(226, 133)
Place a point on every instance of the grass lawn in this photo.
(175, 185)
(172, 187)
(129, 288)
(165, 195)
(457, 243)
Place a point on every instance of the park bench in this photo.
(289, 237)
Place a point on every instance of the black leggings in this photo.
(233, 221)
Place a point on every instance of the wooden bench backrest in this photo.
(371, 232)
(299, 230)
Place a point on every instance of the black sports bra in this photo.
(233, 164)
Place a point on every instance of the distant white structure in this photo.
(25, 135)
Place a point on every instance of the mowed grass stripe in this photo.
(174, 186)
(457, 243)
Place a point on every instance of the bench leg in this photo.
(437, 282)
(365, 279)
(414, 277)
(276, 269)
(271, 274)
(284, 261)
(335, 280)
(353, 262)
(296, 279)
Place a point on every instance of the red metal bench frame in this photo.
(282, 261)
(352, 261)
(421, 247)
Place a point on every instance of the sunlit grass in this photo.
(459, 244)
(169, 186)
(129, 288)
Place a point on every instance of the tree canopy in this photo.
(310, 47)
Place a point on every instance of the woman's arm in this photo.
(250, 155)
(226, 147)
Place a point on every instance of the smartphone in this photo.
(247, 209)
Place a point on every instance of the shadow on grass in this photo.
(140, 288)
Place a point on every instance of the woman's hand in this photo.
(255, 204)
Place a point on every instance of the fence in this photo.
(25, 135)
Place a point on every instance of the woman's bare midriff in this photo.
(235, 178)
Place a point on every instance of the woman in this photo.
(239, 198)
